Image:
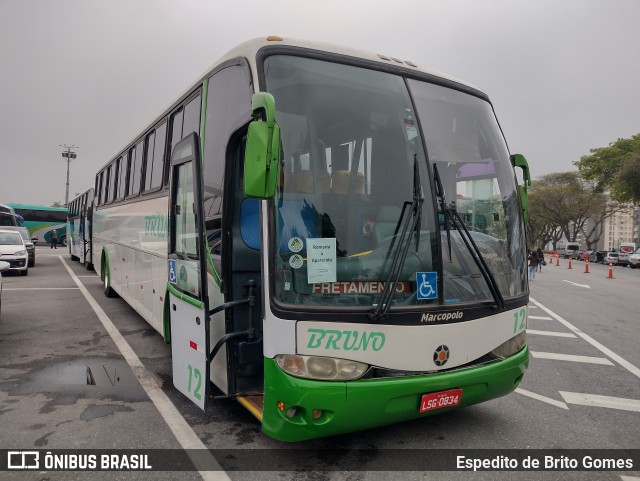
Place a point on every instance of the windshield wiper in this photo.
(400, 254)
(451, 214)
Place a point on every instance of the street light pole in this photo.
(68, 155)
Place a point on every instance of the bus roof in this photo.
(249, 50)
(37, 207)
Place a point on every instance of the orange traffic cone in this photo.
(610, 270)
(569, 264)
(586, 266)
(557, 260)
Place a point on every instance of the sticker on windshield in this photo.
(321, 260)
(410, 128)
(296, 261)
(426, 285)
(295, 244)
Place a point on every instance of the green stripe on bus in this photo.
(184, 297)
(368, 403)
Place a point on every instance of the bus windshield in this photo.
(353, 154)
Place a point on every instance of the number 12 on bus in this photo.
(331, 237)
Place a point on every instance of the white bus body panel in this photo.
(139, 267)
(134, 237)
(410, 348)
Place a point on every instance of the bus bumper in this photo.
(328, 408)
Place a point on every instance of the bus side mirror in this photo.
(262, 154)
(518, 160)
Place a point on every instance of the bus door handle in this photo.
(250, 300)
(249, 333)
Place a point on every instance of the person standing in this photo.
(54, 239)
(533, 264)
(540, 255)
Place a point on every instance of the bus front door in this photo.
(187, 281)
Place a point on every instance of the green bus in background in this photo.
(40, 220)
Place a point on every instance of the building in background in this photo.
(622, 226)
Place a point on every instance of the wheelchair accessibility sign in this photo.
(172, 271)
(427, 285)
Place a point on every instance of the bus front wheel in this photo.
(106, 277)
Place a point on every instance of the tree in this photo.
(57, 204)
(541, 228)
(561, 204)
(615, 168)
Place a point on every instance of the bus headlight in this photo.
(321, 368)
(510, 347)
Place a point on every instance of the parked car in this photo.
(634, 259)
(13, 251)
(584, 255)
(610, 257)
(597, 256)
(31, 248)
(4, 266)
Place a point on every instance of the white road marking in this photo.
(569, 357)
(605, 350)
(39, 288)
(176, 422)
(539, 397)
(579, 285)
(544, 318)
(601, 401)
(551, 333)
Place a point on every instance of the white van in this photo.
(570, 250)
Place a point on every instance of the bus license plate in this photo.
(439, 400)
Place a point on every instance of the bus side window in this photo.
(191, 122)
(132, 172)
(135, 175)
(158, 156)
(99, 188)
(106, 185)
(149, 149)
(176, 127)
(228, 109)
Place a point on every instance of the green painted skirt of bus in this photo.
(328, 408)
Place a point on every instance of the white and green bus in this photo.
(332, 237)
(79, 228)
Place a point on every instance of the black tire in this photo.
(106, 281)
(24, 272)
(32, 262)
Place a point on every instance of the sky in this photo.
(563, 76)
